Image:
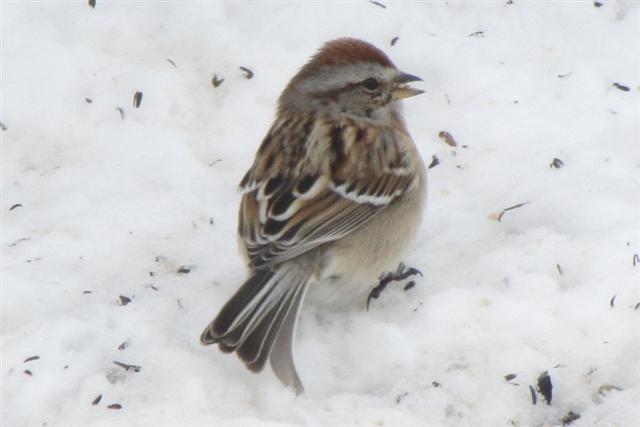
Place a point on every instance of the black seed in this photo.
(127, 367)
(436, 384)
(306, 183)
(477, 34)
(122, 300)
(122, 346)
(377, 4)
(96, 400)
(16, 206)
(115, 406)
(571, 416)
(636, 259)
(545, 387)
(434, 162)
(28, 372)
(29, 359)
(534, 400)
(556, 163)
(613, 300)
(248, 73)
(394, 41)
(183, 270)
(409, 285)
(621, 87)
(92, 3)
(216, 81)
(509, 377)
(137, 99)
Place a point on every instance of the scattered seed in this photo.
(96, 400)
(556, 163)
(434, 162)
(216, 81)
(447, 138)
(597, 4)
(88, 100)
(636, 259)
(29, 359)
(436, 384)
(409, 285)
(92, 3)
(621, 87)
(121, 111)
(137, 99)
(170, 61)
(401, 396)
(86, 292)
(562, 76)
(123, 345)
(126, 367)
(65, 366)
(505, 210)
(28, 372)
(16, 206)
(571, 416)
(637, 306)
(115, 406)
(377, 4)
(179, 303)
(605, 389)
(534, 399)
(2, 126)
(183, 270)
(545, 387)
(509, 377)
(248, 72)
(394, 41)
(214, 162)
(122, 300)
(613, 300)
(559, 269)
(151, 286)
(211, 222)
(477, 34)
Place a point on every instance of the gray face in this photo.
(361, 90)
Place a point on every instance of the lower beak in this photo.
(403, 91)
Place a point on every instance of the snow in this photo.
(116, 206)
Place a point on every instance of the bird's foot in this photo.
(401, 273)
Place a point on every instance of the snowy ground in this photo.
(141, 202)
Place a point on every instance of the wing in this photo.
(343, 180)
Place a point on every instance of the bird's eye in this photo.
(370, 84)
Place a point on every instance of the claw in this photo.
(401, 273)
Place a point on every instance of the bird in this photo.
(332, 200)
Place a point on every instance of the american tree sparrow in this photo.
(333, 198)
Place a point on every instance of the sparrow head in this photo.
(348, 76)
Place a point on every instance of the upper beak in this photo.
(401, 90)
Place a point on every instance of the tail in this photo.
(258, 322)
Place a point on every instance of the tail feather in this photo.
(253, 320)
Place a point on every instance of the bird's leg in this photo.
(401, 273)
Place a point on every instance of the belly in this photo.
(353, 265)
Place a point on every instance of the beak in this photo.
(401, 90)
